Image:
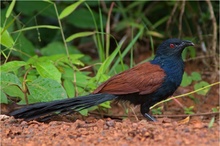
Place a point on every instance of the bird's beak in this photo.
(187, 43)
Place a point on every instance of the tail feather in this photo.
(76, 104)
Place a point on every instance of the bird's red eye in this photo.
(172, 46)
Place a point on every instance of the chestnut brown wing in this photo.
(143, 79)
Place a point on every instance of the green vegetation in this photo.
(47, 46)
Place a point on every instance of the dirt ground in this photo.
(92, 131)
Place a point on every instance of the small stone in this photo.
(110, 123)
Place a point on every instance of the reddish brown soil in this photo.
(109, 132)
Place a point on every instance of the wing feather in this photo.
(143, 79)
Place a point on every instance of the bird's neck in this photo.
(173, 67)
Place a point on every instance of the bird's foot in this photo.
(149, 117)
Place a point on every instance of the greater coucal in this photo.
(144, 84)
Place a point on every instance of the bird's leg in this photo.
(145, 112)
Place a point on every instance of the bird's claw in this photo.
(149, 117)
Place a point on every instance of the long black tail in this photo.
(37, 110)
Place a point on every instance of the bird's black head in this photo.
(172, 47)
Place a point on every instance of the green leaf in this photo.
(212, 121)
(55, 48)
(160, 22)
(189, 110)
(68, 85)
(33, 8)
(13, 91)
(9, 79)
(84, 112)
(106, 104)
(87, 21)
(215, 109)
(196, 76)
(186, 81)
(37, 27)
(12, 66)
(78, 35)
(120, 68)
(189, 50)
(44, 90)
(6, 39)
(157, 111)
(81, 79)
(127, 49)
(4, 98)
(105, 65)
(11, 7)
(47, 70)
(68, 10)
(62, 58)
(201, 85)
(192, 51)
(155, 34)
(24, 48)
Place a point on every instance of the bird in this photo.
(145, 84)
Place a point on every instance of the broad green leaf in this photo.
(189, 50)
(78, 35)
(12, 66)
(44, 90)
(13, 91)
(196, 76)
(33, 60)
(87, 21)
(186, 81)
(68, 73)
(81, 77)
(68, 10)
(192, 52)
(10, 8)
(24, 48)
(6, 39)
(48, 70)
(9, 79)
(69, 87)
(36, 8)
(201, 85)
(55, 48)
(4, 98)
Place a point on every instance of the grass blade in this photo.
(37, 27)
